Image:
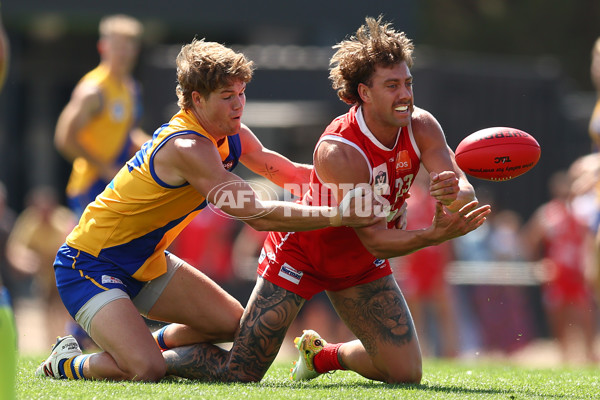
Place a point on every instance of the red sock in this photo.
(327, 359)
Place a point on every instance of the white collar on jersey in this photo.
(365, 130)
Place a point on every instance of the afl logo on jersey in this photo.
(381, 180)
(117, 111)
(403, 161)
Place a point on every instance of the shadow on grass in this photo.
(288, 385)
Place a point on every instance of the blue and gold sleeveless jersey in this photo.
(106, 136)
(137, 216)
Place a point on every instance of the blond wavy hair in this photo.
(375, 44)
(122, 25)
(207, 66)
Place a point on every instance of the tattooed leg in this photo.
(388, 348)
(270, 311)
(203, 361)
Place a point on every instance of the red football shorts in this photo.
(306, 264)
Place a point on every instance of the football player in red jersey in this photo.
(555, 235)
(379, 143)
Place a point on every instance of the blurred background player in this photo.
(555, 235)
(40, 229)
(8, 334)
(594, 125)
(585, 171)
(97, 130)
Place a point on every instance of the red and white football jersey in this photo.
(338, 252)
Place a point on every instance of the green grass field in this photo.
(442, 380)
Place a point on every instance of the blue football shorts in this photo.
(87, 283)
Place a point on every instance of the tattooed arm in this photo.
(269, 313)
(272, 165)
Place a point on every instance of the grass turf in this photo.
(442, 380)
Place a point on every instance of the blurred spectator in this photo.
(472, 247)
(206, 244)
(245, 251)
(32, 245)
(555, 235)
(421, 276)
(504, 311)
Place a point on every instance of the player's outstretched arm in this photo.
(335, 163)
(193, 159)
(389, 243)
(275, 167)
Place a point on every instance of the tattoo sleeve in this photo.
(270, 311)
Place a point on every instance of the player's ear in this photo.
(101, 46)
(197, 98)
(364, 92)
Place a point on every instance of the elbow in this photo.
(259, 224)
(381, 255)
(59, 143)
(379, 252)
(374, 247)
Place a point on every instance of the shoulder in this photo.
(87, 93)
(426, 129)
(335, 158)
(246, 132)
(248, 140)
(423, 121)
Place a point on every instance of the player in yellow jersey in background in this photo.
(8, 335)
(97, 130)
(114, 265)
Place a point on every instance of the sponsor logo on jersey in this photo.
(291, 274)
(403, 161)
(378, 262)
(111, 279)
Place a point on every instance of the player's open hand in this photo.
(449, 225)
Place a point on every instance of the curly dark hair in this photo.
(375, 44)
(207, 66)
